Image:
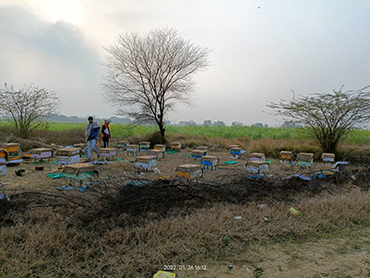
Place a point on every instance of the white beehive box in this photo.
(256, 166)
(108, 152)
(235, 151)
(198, 153)
(305, 159)
(146, 162)
(328, 157)
(189, 171)
(67, 156)
(132, 149)
(156, 153)
(41, 153)
(144, 146)
(257, 157)
(160, 147)
(79, 168)
(209, 162)
(286, 156)
(122, 144)
(175, 145)
(2, 168)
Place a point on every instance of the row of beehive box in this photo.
(284, 155)
(145, 146)
(235, 151)
(158, 150)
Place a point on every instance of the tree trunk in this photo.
(162, 132)
(328, 144)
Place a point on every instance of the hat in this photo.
(107, 121)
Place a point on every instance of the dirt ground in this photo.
(326, 257)
(33, 179)
(333, 257)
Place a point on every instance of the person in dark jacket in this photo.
(105, 132)
(91, 134)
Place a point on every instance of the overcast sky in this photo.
(262, 49)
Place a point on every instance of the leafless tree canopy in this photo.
(329, 115)
(149, 74)
(28, 107)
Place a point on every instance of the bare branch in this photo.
(150, 74)
(28, 107)
(329, 115)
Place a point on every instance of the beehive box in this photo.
(156, 153)
(145, 161)
(236, 152)
(175, 145)
(160, 147)
(81, 146)
(198, 153)
(209, 162)
(14, 151)
(108, 152)
(123, 144)
(286, 156)
(257, 157)
(132, 150)
(2, 168)
(305, 159)
(328, 157)
(67, 156)
(189, 171)
(144, 146)
(68, 152)
(78, 168)
(3, 156)
(41, 153)
(257, 166)
(233, 146)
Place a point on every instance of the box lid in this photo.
(41, 150)
(68, 151)
(209, 157)
(7, 145)
(144, 158)
(257, 155)
(78, 168)
(256, 163)
(187, 167)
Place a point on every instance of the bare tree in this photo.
(28, 108)
(328, 115)
(150, 74)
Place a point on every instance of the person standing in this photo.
(105, 132)
(91, 134)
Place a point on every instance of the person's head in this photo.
(107, 121)
(91, 119)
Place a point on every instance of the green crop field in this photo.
(228, 132)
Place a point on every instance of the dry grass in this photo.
(48, 233)
(59, 234)
(44, 242)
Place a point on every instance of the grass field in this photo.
(227, 132)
